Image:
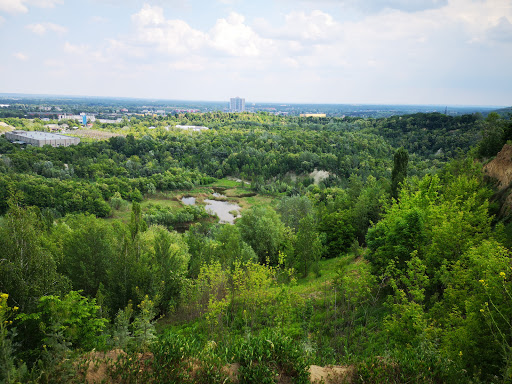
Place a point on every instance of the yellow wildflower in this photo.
(502, 274)
(15, 308)
(481, 281)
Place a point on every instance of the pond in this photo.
(222, 209)
(188, 200)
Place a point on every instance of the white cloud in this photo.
(501, 32)
(45, 3)
(1, 20)
(229, 36)
(20, 56)
(314, 26)
(167, 36)
(234, 37)
(148, 16)
(13, 6)
(86, 52)
(22, 6)
(42, 28)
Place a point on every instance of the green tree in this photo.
(87, 252)
(169, 259)
(493, 135)
(399, 173)
(263, 230)
(27, 270)
(308, 248)
(293, 209)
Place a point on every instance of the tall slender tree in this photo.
(399, 173)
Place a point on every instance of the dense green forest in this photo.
(370, 244)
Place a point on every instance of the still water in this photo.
(188, 200)
(222, 209)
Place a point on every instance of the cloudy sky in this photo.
(318, 51)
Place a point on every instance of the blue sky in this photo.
(455, 52)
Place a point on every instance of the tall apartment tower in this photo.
(237, 104)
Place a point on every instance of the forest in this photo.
(376, 249)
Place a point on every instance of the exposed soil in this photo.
(500, 170)
(501, 167)
(332, 374)
(98, 364)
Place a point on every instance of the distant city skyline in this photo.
(425, 52)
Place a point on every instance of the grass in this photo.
(328, 272)
(233, 192)
(226, 183)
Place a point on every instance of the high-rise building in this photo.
(237, 104)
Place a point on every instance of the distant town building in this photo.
(313, 115)
(39, 139)
(110, 121)
(195, 128)
(237, 104)
(84, 118)
(56, 127)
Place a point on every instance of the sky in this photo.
(453, 52)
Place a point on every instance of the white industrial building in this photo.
(41, 138)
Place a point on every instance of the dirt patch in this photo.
(332, 374)
(500, 170)
(98, 364)
(319, 176)
(501, 167)
(231, 371)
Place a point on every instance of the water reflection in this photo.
(222, 209)
(188, 200)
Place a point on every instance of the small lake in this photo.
(188, 200)
(222, 209)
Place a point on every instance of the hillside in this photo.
(393, 268)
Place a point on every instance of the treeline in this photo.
(258, 147)
(86, 178)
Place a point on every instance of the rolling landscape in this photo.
(265, 248)
(266, 192)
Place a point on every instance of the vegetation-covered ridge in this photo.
(395, 266)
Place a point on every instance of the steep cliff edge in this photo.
(501, 168)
